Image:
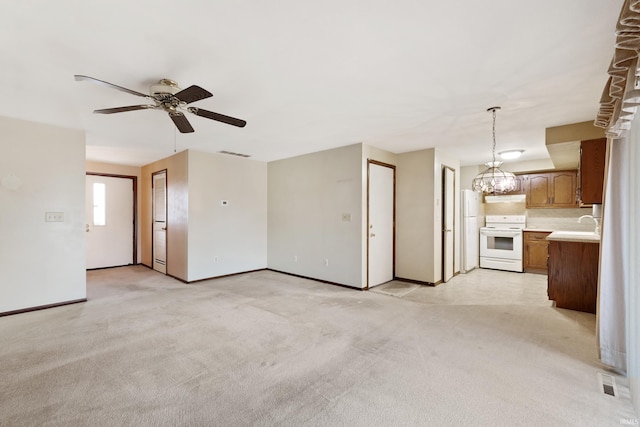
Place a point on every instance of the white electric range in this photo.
(501, 242)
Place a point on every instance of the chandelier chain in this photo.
(493, 149)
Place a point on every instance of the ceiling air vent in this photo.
(231, 153)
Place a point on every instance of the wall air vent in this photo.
(231, 153)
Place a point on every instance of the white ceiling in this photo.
(308, 76)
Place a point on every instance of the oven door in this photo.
(502, 244)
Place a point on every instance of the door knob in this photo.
(372, 235)
(87, 228)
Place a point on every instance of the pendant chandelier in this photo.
(494, 180)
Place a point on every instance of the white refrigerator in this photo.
(470, 229)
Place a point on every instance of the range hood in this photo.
(507, 198)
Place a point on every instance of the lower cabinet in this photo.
(573, 274)
(536, 251)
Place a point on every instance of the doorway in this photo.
(110, 220)
(380, 222)
(448, 223)
(159, 221)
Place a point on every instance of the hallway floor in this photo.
(477, 287)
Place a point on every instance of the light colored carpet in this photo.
(268, 349)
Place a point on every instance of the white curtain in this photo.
(618, 107)
(633, 290)
(614, 257)
(618, 290)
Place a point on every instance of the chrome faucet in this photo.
(597, 230)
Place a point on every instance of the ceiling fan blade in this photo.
(181, 122)
(192, 94)
(79, 78)
(218, 117)
(123, 109)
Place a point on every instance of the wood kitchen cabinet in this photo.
(591, 171)
(521, 185)
(536, 251)
(552, 189)
(573, 274)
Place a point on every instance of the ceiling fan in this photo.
(167, 96)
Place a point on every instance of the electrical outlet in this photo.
(326, 262)
(215, 259)
(346, 217)
(295, 258)
(54, 216)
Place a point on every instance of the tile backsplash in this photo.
(545, 219)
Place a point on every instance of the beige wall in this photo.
(205, 239)
(415, 216)
(114, 169)
(41, 170)
(177, 212)
(373, 153)
(528, 166)
(232, 238)
(467, 173)
(307, 196)
(419, 214)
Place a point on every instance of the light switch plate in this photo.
(54, 216)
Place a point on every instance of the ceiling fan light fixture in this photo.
(510, 154)
(494, 180)
(164, 86)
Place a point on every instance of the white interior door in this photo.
(381, 224)
(448, 217)
(160, 222)
(109, 221)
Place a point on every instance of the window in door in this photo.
(99, 204)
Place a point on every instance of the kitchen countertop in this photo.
(541, 230)
(575, 236)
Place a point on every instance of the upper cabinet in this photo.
(591, 171)
(552, 190)
(539, 190)
(548, 189)
(521, 181)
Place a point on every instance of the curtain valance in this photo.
(621, 96)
